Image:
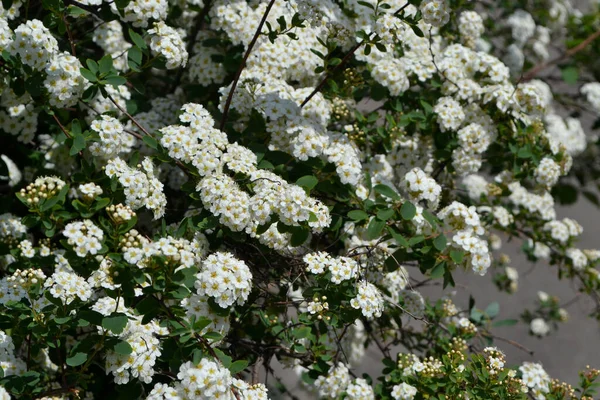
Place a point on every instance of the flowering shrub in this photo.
(198, 193)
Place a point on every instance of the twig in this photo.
(243, 64)
(128, 115)
(509, 341)
(324, 80)
(569, 53)
(70, 36)
(64, 130)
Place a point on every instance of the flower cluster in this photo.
(467, 229)
(369, 300)
(67, 286)
(167, 42)
(224, 278)
(113, 140)
(34, 44)
(534, 376)
(340, 268)
(85, 237)
(142, 188)
(64, 81)
(421, 187)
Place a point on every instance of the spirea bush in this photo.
(199, 195)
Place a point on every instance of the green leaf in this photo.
(78, 144)
(115, 80)
(137, 39)
(358, 215)
(493, 309)
(374, 228)
(89, 75)
(408, 211)
(77, 359)
(92, 65)
(438, 271)
(457, 256)
(401, 240)
(150, 142)
(75, 11)
(123, 348)
(386, 191)
(440, 242)
(384, 215)
(238, 366)
(299, 236)
(570, 75)
(307, 181)
(105, 64)
(525, 152)
(115, 323)
(134, 58)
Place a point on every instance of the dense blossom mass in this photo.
(196, 194)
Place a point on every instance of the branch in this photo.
(243, 64)
(567, 54)
(329, 74)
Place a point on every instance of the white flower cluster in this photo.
(577, 257)
(202, 69)
(450, 114)
(562, 231)
(334, 383)
(467, 231)
(142, 339)
(470, 27)
(6, 34)
(17, 286)
(340, 268)
(42, 188)
(422, 187)
(390, 73)
(10, 364)
(404, 391)
(67, 286)
(140, 12)
(435, 12)
(548, 172)
(26, 248)
(368, 300)
(359, 389)
(64, 82)
(34, 44)
(11, 226)
(542, 204)
(142, 188)
(89, 191)
(590, 90)
(85, 237)
(225, 278)
(183, 253)
(167, 42)
(207, 380)
(112, 139)
(536, 379)
(539, 327)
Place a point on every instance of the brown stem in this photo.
(324, 80)
(128, 115)
(567, 54)
(70, 35)
(243, 65)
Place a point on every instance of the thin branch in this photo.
(243, 64)
(532, 73)
(324, 80)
